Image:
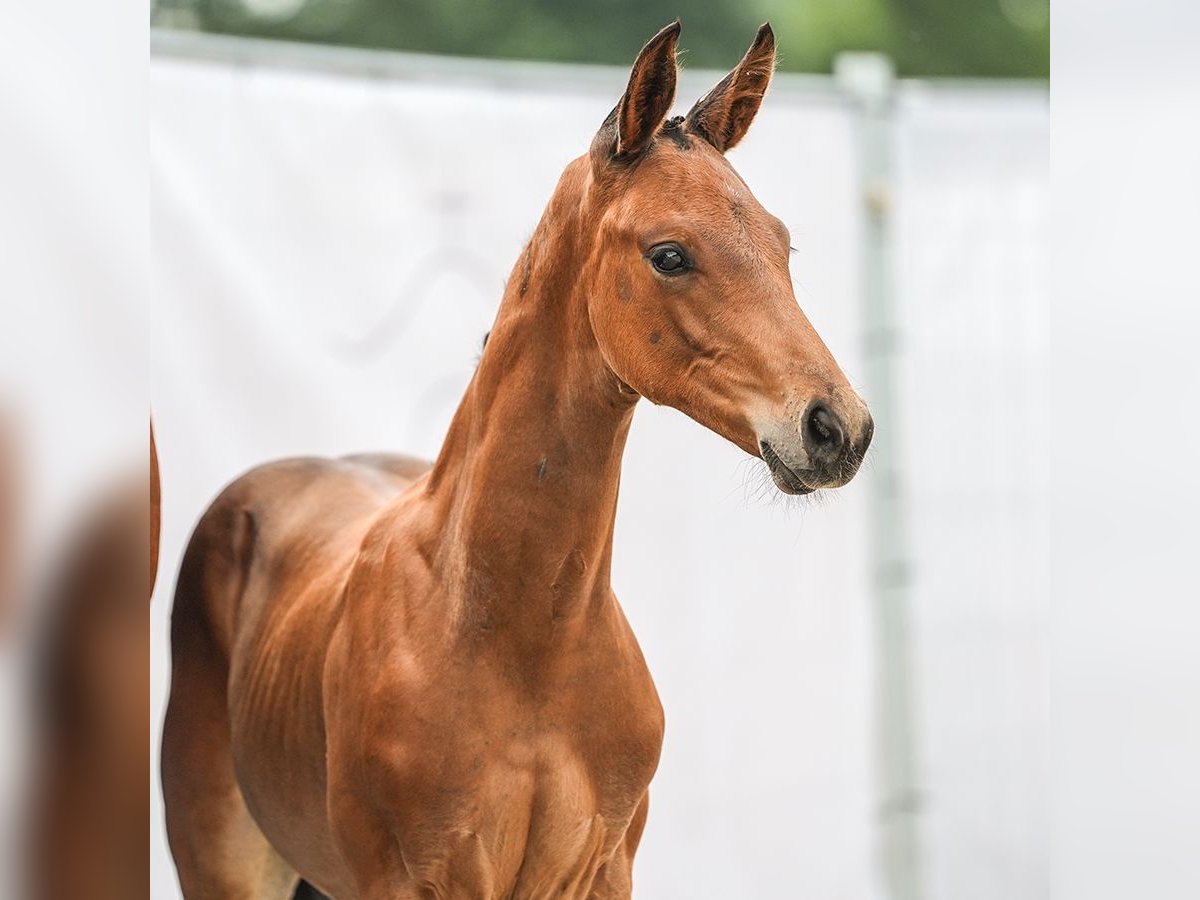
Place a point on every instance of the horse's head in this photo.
(689, 293)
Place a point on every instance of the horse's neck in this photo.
(525, 488)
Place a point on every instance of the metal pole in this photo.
(869, 79)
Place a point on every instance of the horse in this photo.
(397, 679)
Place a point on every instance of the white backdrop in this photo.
(329, 251)
(973, 300)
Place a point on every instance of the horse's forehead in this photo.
(693, 182)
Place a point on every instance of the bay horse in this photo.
(401, 680)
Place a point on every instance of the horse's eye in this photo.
(668, 259)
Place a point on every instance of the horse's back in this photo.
(276, 523)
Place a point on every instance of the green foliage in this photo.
(989, 38)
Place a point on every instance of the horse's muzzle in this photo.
(824, 450)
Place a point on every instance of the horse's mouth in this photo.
(785, 479)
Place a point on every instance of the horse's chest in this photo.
(502, 797)
(535, 818)
(497, 773)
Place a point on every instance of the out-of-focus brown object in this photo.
(155, 508)
(90, 818)
(8, 524)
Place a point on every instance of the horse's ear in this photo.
(630, 127)
(724, 115)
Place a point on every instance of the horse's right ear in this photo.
(724, 115)
(630, 127)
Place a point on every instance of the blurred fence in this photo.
(972, 299)
(332, 231)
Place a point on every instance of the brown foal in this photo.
(404, 681)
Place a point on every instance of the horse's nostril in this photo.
(824, 431)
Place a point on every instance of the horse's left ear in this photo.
(650, 93)
(724, 115)
(631, 125)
